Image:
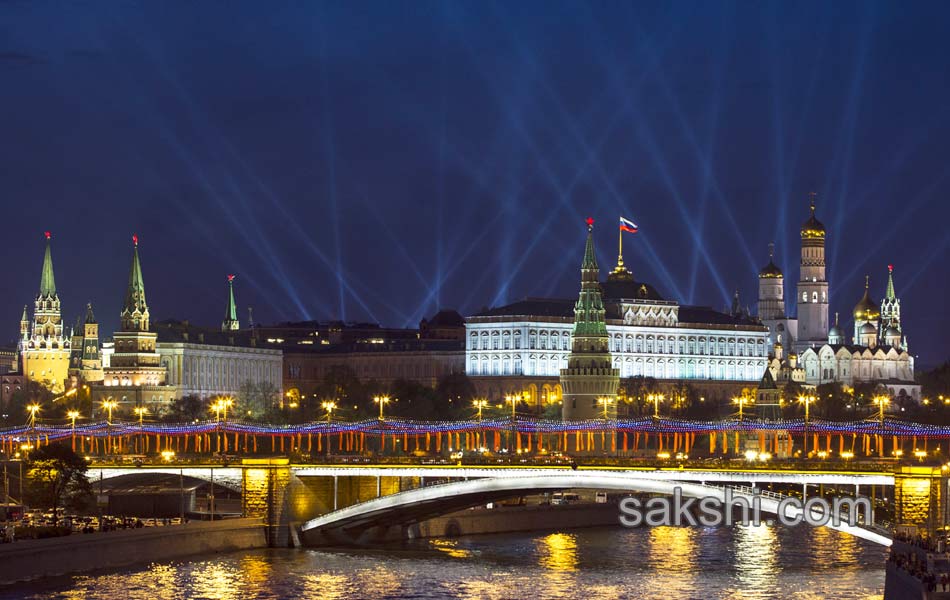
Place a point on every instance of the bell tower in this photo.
(812, 296)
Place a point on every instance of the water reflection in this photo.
(663, 562)
(672, 548)
(558, 552)
(756, 549)
(450, 548)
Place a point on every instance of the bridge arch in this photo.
(362, 523)
(226, 477)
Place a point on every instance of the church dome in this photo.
(770, 271)
(866, 309)
(868, 329)
(834, 333)
(892, 332)
(813, 227)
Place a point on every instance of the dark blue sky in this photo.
(378, 161)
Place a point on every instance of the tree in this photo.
(32, 392)
(255, 399)
(56, 478)
(188, 408)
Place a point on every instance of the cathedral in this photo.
(44, 347)
(818, 353)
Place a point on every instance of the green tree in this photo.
(33, 392)
(56, 478)
(187, 409)
(254, 399)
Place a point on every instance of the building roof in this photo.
(354, 347)
(173, 330)
(47, 280)
(628, 289)
(532, 307)
(447, 318)
(559, 307)
(813, 227)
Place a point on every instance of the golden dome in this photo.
(866, 309)
(813, 228)
(770, 271)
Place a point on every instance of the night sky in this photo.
(378, 161)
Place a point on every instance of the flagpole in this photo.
(620, 247)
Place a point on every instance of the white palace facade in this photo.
(526, 344)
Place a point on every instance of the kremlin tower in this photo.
(590, 376)
(44, 347)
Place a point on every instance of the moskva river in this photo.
(663, 562)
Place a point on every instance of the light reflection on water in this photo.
(667, 562)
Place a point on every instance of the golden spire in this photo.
(620, 271)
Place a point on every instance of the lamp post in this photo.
(226, 403)
(109, 405)
(381, 401)
(73, 415)
(33, 409)
(881, 401)
(480, 404)
(807, 400)
(141, 411)
(741, 401)
(605, 401)
(512, 399)
(329, 407)
(655, 399)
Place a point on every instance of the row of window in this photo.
(665, 369)
(629, 343)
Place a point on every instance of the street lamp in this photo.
(329, 407)
(655, 399)
(381, 401)
(73, 415)
(806, 400)
(513, 399)
(741, 401)
(881, 401)
(605, 401)
(226, 403)
(110, 405)
(480, 404)
(33, 409)
(141, 411)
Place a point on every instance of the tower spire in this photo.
(889, 293)
(47, 280)
(230, 322)
(135, 309)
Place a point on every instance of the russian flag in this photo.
(628, 225)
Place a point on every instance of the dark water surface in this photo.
(663, 562)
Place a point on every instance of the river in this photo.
(606, 562)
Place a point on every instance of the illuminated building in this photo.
(590, 375)
(812, 296)
(85, 362)
(878, 349)
(522, 347)
(44, 347)
(226, 362)
(135, 375)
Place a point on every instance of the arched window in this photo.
(814, 297)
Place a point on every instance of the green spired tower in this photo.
(589, 381)
(230, 322)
